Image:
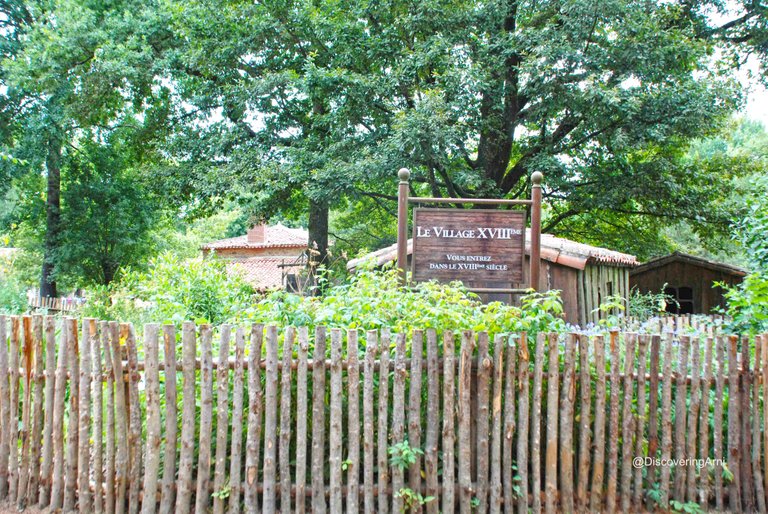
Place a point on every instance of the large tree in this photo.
(75, 72)
(303, 105)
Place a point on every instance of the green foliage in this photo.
(13, 298)
(610, 310)
(372, 299)
(412, 499)
(748, 302)
(401, 455)
(686, 507)
(645, 306)
(17, 275)
(174, 290)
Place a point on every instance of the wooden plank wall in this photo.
(238, 419)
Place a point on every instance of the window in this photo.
(681, 300)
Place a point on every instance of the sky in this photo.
(756, 107)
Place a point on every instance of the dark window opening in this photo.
(680, 300)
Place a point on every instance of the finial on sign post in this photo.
(404, 174)
(537, 177)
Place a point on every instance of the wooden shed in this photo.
(586, 275)
(687, 279)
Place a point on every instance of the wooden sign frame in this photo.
(535, 209)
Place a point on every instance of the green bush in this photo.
(374, 299)
(200, 289)
(748, 302)
(17, 275)
(172, 290)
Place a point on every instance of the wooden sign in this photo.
(482, 248)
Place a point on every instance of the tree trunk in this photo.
(318, 237)
(52, 216)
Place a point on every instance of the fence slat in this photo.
(510, 369)
(666, 419)
(26, 409)
(167, 489)
(613, 427)
(706, 381)
(121, 422)
(522, 436)
(134, 420)
(494, 502)
(97, 417)
(481, 396)
(449, 421)
(5, 409)
(653, 408)
(353, 423)
(335, 433)
(734, 424)
(368, 419)
(57, 481)
(433, 424)
(567, 401)
(235, 485)
(33, 488)
(318, 422)
(222, 420)
(755, 428)
(73, 355)
(627, 426)
(745, 444)
(763, 349)
(46, 468)
(13, 440)
(84, 497)
(718, 421)
(693, 414)
(301, 421)
(553, 393)
(596, 489)
(285, 421)
(152, 377)
(414, 408)
(110, 465)
(270, 423)
(535, 457)
(642, 353)
(382, 439)
(398, 418)
(255, 404)
(186, 456)
(464, 421)
(681, 394)
(202, 494)
(585, 406)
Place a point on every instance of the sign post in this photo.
(402, 222)
(483, 248)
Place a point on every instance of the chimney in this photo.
(257, 233)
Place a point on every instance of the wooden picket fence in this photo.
(91, 419)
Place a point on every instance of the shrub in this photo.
(173, 290)
(748, 302)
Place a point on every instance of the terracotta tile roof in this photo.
(554, 249)
(261, 272)
(276, 236)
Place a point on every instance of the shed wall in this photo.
(685, 274)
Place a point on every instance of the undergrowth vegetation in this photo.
(201, 290)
